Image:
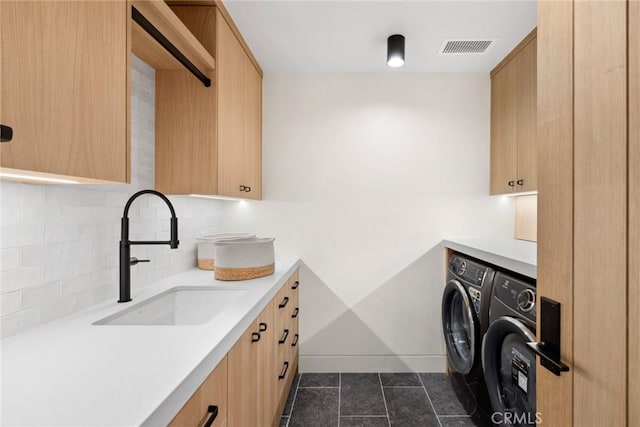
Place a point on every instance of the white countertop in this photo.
(511, 254)
(72, 373)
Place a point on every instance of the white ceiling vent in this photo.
(465, 47)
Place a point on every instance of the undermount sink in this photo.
(183, 305)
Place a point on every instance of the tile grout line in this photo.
(429, 399)
(293, 403)
(384, 399)
(339, 394)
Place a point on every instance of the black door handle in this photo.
(255, 336)
(284, 302)
(548, 349)
(247, 189)
(285, 368)
(511, 183)
(213, 410)
(243, 188)
(285, 334)
(520, 182)
(295, 340)
(295, 313)
(262, 327)
(295, 285)
(6, 133)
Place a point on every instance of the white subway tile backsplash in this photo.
(56, 233)
(59, 243)
(9, 258)
(21, 278)
(41, 295)
(12, 236)
(10, 302)
(20, 321)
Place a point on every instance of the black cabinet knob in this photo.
(6, 133)
(520, 182)
(511, 183)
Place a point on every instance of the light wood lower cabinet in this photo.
(200, 407)
(255, 376)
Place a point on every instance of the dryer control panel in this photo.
(516, 295)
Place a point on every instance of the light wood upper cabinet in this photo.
(504, 130)
(513, 120)
(209, 140)
(64, 88)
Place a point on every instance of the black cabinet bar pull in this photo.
(262, 327)
(255, 336)
(213, 410)
(511, 183)
(295, 313)
(285, 368)
(169, 47)
(295, 285)
(295, 340)
(284, 302)
(520, 182)
(6, 133)
(285, 334)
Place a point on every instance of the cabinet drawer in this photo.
(211, 394)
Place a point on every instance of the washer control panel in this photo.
(515, 294)
(467, 270)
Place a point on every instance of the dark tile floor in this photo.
(363, 400)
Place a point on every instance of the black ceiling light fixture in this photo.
(395, 51)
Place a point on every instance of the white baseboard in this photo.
(371, 363)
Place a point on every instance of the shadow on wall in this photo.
(404, 310)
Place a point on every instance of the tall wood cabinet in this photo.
(64, 88)
(588, 205)
(513, 120)
(209, 140)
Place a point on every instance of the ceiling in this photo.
(350, 36)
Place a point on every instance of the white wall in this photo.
(59, 244)
(364, 175)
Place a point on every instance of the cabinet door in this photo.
(504, 132)
(212, 392)
(252, 176)
(64, 87)
(230, 83)
(267, 376)
(243, 379)
(525, 65)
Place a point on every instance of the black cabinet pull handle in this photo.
(247, 189)
(6, 133)
(295, 313)
(548, 349)
(285, 368)
(285, 334)
(295, 340)
(243, 188)
(511, 183)
(520, 182)
(262, 327)
(213, 410)
(284, 302)
(295, 285)
(255, 336)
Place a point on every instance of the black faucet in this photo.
(125, 244)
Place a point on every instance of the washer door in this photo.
(460, 327)
(510, 371)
